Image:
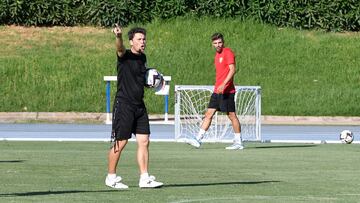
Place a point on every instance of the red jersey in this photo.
(222, 62)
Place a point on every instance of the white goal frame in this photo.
(191, 103)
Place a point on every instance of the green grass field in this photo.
(263, 172)
(301, 72)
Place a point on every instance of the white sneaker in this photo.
(149, 182)
(115, 183)
(194, 142)
(235, 146)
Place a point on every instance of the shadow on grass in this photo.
(11, 161)
(24, 194)
(223, 183)
(38, 193)
(216, 147)
(284, 146)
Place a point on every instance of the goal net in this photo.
(191, 104)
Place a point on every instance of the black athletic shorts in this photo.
(129, 119)
(222, 102)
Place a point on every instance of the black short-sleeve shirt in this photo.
(131, 70)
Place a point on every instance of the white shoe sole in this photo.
(151, 183)
(235, 148)
(151, 186)
(118, 187)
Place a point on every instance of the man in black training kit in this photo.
(129, 111)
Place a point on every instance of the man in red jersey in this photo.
(223, 97)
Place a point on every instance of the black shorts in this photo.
(129, 119)
(222, 102)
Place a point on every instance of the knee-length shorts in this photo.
(129, 119)
(222, 102)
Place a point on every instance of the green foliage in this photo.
(165, 9)
(221, 8)
(40, 12)
(4, 12)
(329, 15)
(338, 15)
(108, 12)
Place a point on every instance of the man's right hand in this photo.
(117, 30)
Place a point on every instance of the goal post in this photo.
(191, 103)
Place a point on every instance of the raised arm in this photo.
(120, 48)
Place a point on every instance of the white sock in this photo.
(144, 175)
(111, 175)
(237, 138)
(200, 134)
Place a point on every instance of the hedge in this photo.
(336, 15)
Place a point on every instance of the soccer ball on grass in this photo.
(346, 136)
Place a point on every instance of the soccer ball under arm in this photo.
(153, 78)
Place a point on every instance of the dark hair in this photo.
(135, 30)
(216, 36)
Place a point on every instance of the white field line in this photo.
(77, 139)
(309, 141)
(245, 198)
(171, 140)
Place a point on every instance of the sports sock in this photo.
(111, 175)
(144, 175)
(200, 134)
(237, 138)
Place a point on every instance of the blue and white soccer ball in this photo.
(346, 136)
(153, 78)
